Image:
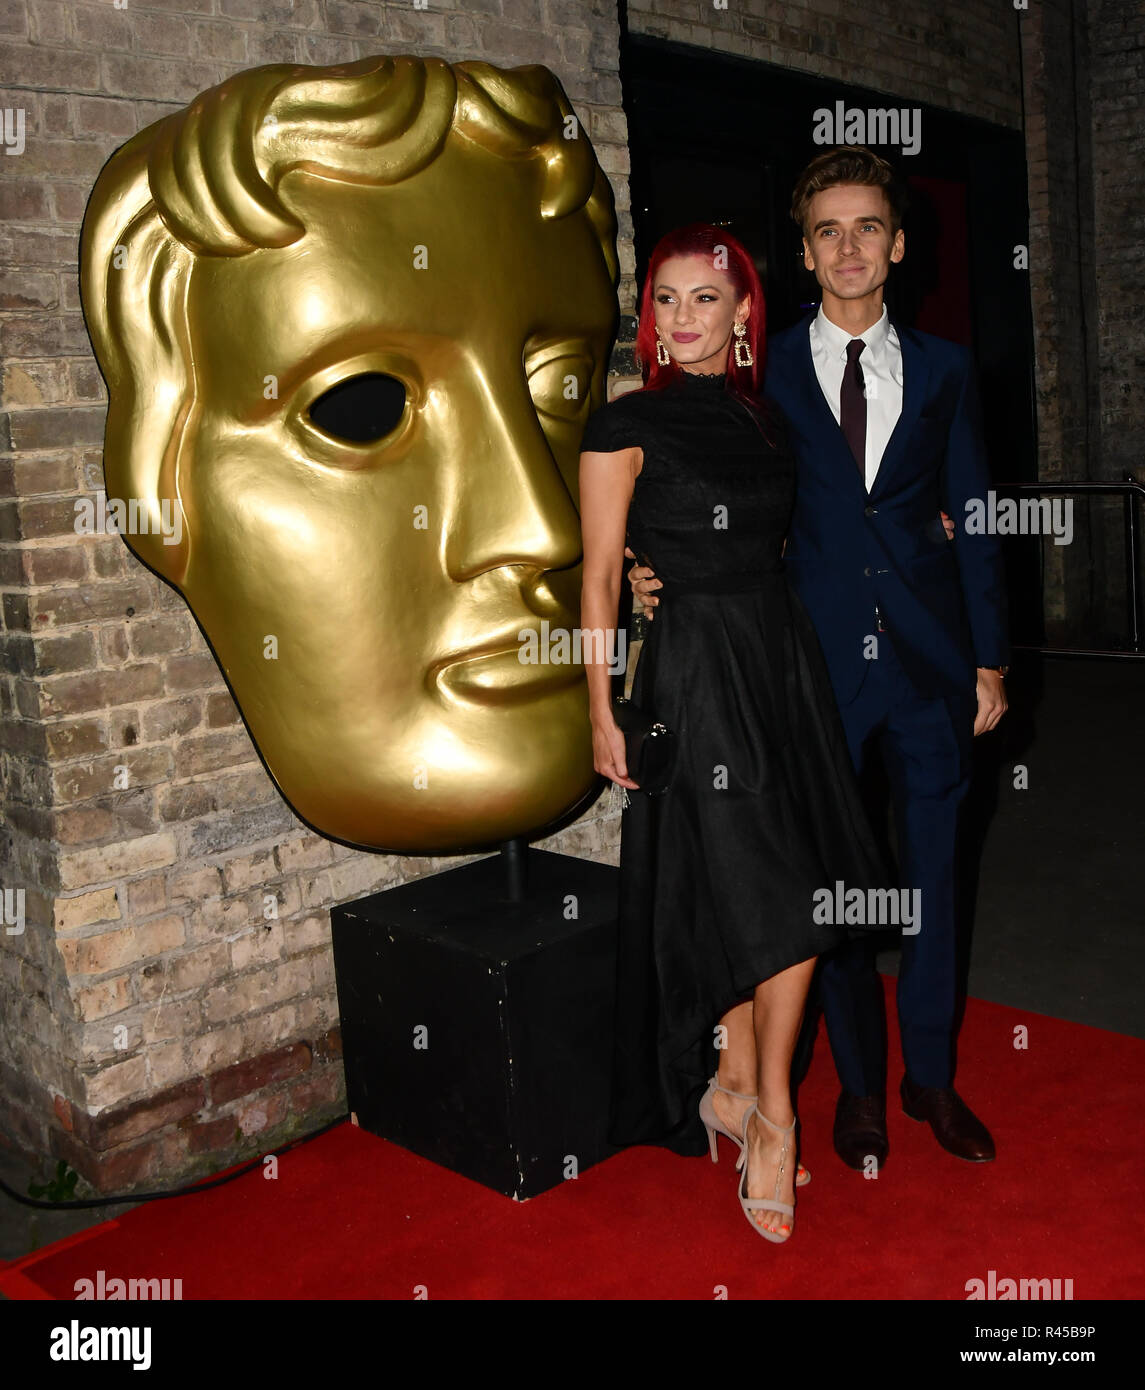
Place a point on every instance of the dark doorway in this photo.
(721, 139)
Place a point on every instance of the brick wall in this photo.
(170, 1004)
(1117, 63)
(1084, 83)
(957, 55)
(1056, 75)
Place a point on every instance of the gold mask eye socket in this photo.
(362, 409)
(559, 384)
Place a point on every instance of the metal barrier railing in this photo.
(1130, 492)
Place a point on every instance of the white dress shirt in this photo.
(881, 361)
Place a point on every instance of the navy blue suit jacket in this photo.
(943, 602)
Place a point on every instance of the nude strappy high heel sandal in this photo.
(714, 1125)
(750, 1204)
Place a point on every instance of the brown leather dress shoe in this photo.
(955, 1126)
(861, 1130)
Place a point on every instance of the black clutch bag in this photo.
(649, 746)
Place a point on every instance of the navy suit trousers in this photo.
(925, 746)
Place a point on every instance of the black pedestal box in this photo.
(477, 1030)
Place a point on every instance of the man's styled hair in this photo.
(847, 164)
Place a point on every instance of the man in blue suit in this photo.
(885, 423)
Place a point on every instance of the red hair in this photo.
(714, 244)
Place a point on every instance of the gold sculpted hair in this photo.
(204, 182)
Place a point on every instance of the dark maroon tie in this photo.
(853, 405)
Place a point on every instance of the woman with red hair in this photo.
(720, 874)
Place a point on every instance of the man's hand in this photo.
(947, 526)
(643, 583)
(991, 700)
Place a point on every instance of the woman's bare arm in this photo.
(606, 483)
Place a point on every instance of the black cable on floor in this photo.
(83, 1203)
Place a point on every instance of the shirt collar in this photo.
(835, 339)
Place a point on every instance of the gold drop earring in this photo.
(743, 357)
(661, 351)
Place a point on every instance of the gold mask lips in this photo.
(352, 320)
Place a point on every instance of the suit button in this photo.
(868, 571)
(869, 511)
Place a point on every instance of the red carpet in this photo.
(351, 1216)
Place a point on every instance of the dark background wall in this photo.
(1033, 117)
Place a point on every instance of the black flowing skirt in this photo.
(718, 874)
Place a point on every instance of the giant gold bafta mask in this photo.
(352, 320)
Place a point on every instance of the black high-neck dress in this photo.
(718, 873)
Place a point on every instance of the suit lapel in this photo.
(805, 383)
(915, 383)
(818, 413)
